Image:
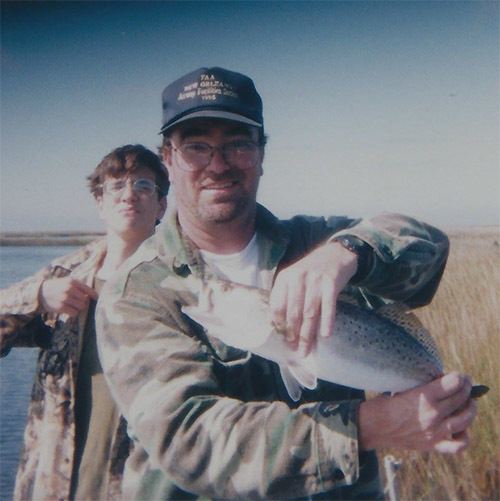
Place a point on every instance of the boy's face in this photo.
(130, 206)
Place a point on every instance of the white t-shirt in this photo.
(240, 267)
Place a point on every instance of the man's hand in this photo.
(65, 295)
(433, 417)
(304, 296)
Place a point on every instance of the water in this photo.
(17, 369)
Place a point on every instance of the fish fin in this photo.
(303, 376)
(400, 315)
(347, 298)
(291, 384)
(479, 390)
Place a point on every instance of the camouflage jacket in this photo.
(211, 421)
(46, 462)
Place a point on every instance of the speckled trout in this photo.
(387, 350)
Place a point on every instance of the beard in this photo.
(224, 211)
(211, 207)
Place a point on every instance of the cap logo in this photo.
(207, 89)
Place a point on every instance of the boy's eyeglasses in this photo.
(142, 187)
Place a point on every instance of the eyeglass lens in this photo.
(140, 186)
(241, 154)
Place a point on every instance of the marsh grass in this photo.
(464, 319)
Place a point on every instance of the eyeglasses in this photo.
(239, 154)
(141, 187)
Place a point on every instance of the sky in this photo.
(369, 106)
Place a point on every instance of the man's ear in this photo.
(166, 154)
(162, 208)
(262, 155)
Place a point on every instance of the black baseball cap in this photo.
(213, 93)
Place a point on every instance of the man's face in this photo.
(128, 211)
(218, 192)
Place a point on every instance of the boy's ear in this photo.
(162, 208)
(98, 202)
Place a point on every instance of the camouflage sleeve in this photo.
(164, 379)
(19, 307)
(20, 321)
(409, 257)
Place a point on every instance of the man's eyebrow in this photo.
(237, 130)
(192, 131)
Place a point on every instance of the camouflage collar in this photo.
(84, 269)
(182, 255)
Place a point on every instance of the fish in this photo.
(383, 350)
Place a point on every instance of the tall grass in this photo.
(464, 319)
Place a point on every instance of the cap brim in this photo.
(227, 115)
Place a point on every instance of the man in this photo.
(211, 421)
(75, 440)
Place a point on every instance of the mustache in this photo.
(221, 178)
(224, 176)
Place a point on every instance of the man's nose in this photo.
(218, 163)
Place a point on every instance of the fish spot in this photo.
(338, 474)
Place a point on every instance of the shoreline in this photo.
(33, 238)
(46, 238)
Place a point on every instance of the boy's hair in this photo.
(127, 159)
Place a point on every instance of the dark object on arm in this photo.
(364, 253)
